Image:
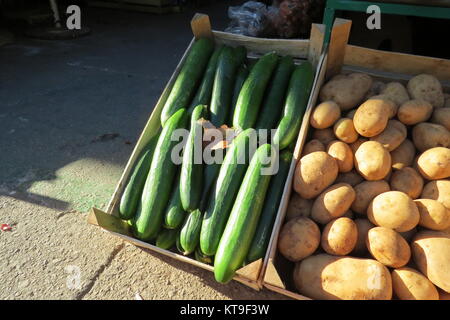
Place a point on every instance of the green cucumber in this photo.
(265, 225)
(270, 111)
(159, 182)
(191, 176)
(190, 232)
(241, 76)
(133, 190)
(203, 95)
(209, 177)
(241, 226)
(166, 238)
(177, 243)
(175, 214)
(240, 54)
(188, 79)
(199, 256)
(252, 92)
(224, 192)
(296, 102)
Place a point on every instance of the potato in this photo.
(363, 226)
(298, 207)
(375, 89)
(339, 236)
(408, 181)
(314, 172)
(349, 214)
(313, 146)
(355, 145)
(372, 160)
(403, 155)
(325, 115)
(388, 247)
(433, 214)
(352, 178)
(431, 253)
(428, 88)
(429, 135)
(392, 106)
(324, 135)
(371, 117)
(410, 284)
(343, 155)
(345, 131)
(443, 295)
(442, 116)
(365, 192)
(346, 91)
(298, 238)
(414, 111)
(395, 210)
(325, 276)
(396, 92)
(408, 235)
(437, 190)
(332, 203)
(434, 163)
(394, 134)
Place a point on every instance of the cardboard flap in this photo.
(201, 26)
(272, 277)
(109, 222)
(251, 271)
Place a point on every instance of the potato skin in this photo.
(334, 202)
(392, 136)
(299, 238)
(414, 111)
(394, 210)
(410, 284)
(363, 226)
(298, 207)
(408, 181)
(352, 178)
(434, 163)
(325, 115)
(324, 135)
(314, 172)
(442, 116)
(396, 92)
(429, 135)
(388, 247)
(437, 190)
(372, 160)
(426, 87)
(343, 155)
(371, 117)
(365, 192)
(345, 131)
(339, 236)
(431, 253)
(392, 106)
(313, 146)
(433, 214)
(330, 277)
(403, 155)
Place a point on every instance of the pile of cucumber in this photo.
(221, 213)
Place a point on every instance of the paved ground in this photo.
(56, 100)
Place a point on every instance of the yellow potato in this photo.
(371, 117)
(298, 238)
(345, 131)
(394, 134)
(339, 236)
(403, 155)
(332, 203)
(434, 163)
(363, 226)
(313, 146)
(372, 160)
(428, 135)
(391, 105)
(314, 173)
(330, 277)
(437, 190)
(408, 181)
(395, 92)
(343, 155)
(352, 178)
(431, 253)
(442, 116)
(433, 214)
(388, 247)
(325, 115)
(426, 87)
(414, 111)
(355, 145)
(410, 284)
(324, 135)
(298, 207)
(365, 192)
(394, 210)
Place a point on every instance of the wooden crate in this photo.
(299, 49)
(341, 57)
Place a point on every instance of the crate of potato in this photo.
(369, 212)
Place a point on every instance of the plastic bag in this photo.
(250, 19)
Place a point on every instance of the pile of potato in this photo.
(370, 215)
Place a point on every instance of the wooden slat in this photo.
(338, 42)
(316, 43)
(285, 292)
(201, 26)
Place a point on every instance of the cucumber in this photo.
(203, 95)
(190, 232)
(296, 102)
(133, 190)
(272, 106)
(199, 256)
(177, 243)
(191, 176)
(224, 192)
(252, 92)
(240, 54)
(188, 79)
(166, 238)
(241, 226)
(271, 203)
(241, 76)
(210, 173)
(159, 182)
(175, 214)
